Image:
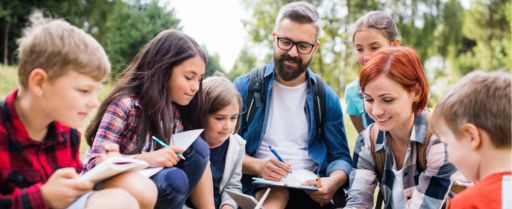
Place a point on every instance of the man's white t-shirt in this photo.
(287, 127)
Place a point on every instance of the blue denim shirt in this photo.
(331, 153)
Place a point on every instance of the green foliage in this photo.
(487, 25)
(131, 27)
(244, 63)
(457, 40)
(213, 64)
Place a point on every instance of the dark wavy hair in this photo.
(147, 78)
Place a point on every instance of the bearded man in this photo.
(286, 119)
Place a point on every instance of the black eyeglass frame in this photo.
(296, 44)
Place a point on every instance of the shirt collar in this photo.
(418, 131)
(11, 116)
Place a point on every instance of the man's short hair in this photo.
(482, 99)
(58, 47)
(300, 12)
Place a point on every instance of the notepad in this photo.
(182, 140)
(247, 201)
(185, 139)
(293, 180)
(113, 166)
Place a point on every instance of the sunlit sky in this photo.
(214, 24)
(218, 25)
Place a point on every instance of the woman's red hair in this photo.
(402, 65)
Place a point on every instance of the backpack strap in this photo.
(255, 95)
(319, 104)
(421, 149)
(421, 158)
(379, 159)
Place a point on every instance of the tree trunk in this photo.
(6, 41)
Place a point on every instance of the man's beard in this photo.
(286, 72)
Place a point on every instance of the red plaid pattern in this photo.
(26, 164)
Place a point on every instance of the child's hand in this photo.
(165, 157)
(111, 149)
(63, 188)
(275, 170)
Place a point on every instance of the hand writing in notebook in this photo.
(274, 169)
(164, 157)
(109, 150)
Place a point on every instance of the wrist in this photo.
(339, 178)
(44, 194)
(259, 167)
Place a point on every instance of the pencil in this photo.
(318, 181)
(319, 184)
(165, 145)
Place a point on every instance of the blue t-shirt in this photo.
(217, 164)
(354, 100)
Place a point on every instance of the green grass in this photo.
(9, 81)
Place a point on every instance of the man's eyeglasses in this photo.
(287, 44)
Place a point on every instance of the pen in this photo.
(318, 181)
(165, 145)
(275, 154)
(319, 184)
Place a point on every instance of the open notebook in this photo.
(293, 180)
(113, 166)
(182, 140)
(247, 201)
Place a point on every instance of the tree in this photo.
(131, 27)
(243, 64)
(213, 64)
(487, 26)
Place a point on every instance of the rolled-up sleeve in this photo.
(338, 157)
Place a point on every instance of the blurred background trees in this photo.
(121, 26)
(452, 37)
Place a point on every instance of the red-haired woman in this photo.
(395, 91)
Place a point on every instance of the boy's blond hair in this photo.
(58, 47)
(482, 99)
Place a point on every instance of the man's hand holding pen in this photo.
(274, 169)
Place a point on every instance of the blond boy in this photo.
(61, 69)
(474, 120)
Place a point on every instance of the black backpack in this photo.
(256, 97)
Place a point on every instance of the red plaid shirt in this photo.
(26, 164)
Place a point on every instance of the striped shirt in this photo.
(118, 125)
(421, 190)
